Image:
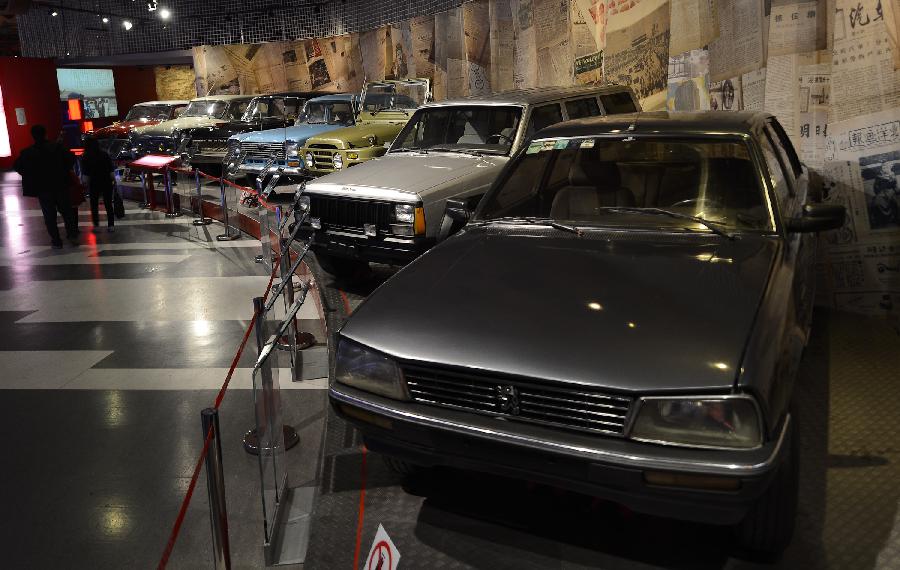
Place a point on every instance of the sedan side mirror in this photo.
(455, 217)
(818, 218)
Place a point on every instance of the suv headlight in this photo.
(309, 160)
(363, 368)
(405, 213)
(730, 422)
(338, 161)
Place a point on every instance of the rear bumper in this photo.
(382, 249)
(610, 468)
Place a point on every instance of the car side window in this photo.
(580, 108)
(544, 116)
(237, 110)
(620, 102)
(783, 193)
(785, 142)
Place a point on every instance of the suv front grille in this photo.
(347, 213)
(323, 156)
(263, 150)
(571, 407)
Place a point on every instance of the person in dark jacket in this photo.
(45, 168)
(98, 167)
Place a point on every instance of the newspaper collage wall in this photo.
(828, 69)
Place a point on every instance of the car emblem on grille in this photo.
(508, 399)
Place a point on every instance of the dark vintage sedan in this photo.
(623, 315)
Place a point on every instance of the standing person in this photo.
(98, 167)
(45, 168)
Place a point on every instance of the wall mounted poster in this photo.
(637, 50)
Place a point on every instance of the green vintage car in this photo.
(386, 106)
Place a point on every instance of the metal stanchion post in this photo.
(215, 485)
(171, 212)
(228, 235)
(265, 238)
(251, 438)
(146, 202)
(200, 220)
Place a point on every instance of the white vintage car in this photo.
(389, 209)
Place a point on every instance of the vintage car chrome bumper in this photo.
(254, 166)
(713, 486)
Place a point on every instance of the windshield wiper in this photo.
(711, 226)
(410, 149)
(469, 151)
(539, 221)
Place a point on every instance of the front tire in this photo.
(342, 267)
(769, 524)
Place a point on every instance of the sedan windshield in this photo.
(329, 112)
(690, 183)
(387, 96)
(215, 109)
(148, 113)
(485, 128)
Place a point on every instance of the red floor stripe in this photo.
(362, 510)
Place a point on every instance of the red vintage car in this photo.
(114, 137)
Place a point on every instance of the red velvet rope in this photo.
(176, 528)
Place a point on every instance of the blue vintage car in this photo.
(319, 115)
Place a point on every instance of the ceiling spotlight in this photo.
(105, 20)
(164, 13)
(127, 25)
(54, 13)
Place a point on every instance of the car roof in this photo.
(223, 97)
(534, 95)
(668, 122)
(303, 94)
(335, 97)
(170, 102)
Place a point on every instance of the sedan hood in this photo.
(120, 129)
(410, 172)
(296, 133)
(641, 312)
(165, 128)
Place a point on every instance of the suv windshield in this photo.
(330, 113)
(384, 96)
(484, 128)
(632, 182)
(148, 112)
(215, 109)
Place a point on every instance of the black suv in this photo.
(622, 315)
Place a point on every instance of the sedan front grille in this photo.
(352, 214)
(209, 146)
(156, 145)
(263, 150)
(572, 407)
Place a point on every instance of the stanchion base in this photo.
(251, 440)
(228, 237)
(259, 258)
(173, 215)
(202, 221)
(304, 340)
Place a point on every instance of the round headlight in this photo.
(338, 161)
(309, 159)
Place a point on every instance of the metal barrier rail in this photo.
(270, 438)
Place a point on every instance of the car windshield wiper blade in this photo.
(471, 151)
(711, 226)
(539, 221)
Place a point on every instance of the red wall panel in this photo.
(30, 84)
(134, 84)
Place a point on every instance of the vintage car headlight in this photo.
(363, 368)
(291, 149)
(309, 159)
(729, 422)
(338, 161)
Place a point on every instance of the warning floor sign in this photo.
(383, 555)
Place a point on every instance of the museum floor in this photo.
(109, 350)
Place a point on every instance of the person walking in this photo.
(98, 167)
(44, 168)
